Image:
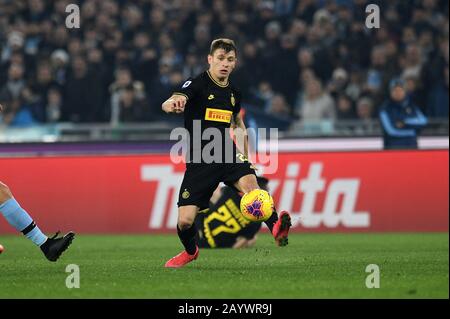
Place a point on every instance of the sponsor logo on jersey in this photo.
(211, 96)
(185, 194)
(218, 115)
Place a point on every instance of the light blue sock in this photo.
(20, 220)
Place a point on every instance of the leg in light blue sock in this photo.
(18, 218)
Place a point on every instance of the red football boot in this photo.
(181, 259)
(280, 230)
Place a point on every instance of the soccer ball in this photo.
(257, 205)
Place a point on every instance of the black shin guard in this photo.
(29, 228)
(272, 220)
(187, 237)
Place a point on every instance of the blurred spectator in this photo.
(132, 104)
(306, 60)
(30, 111)
(15, 83)
(144, 60)
(435, 81)
(338, 82)
(278, 107)
(54, 105)
(284, 72)
(365, 109)
(279, 42)
(401, 120)
(246, 75)
(412, 61)
(354, 87)
(316, 104)
(306, 76)
(10, 108)
(192, 66)
(59, 60)
(345, 108)
(42, 82)
(161, 87)
(82, 94)
(263, 95)
(414, 91)
(19, 111)
(284, 8)
(378, 74)
(128, 99)
(14, 43)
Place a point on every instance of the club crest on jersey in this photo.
(186, 84)
(185, 194)
(233, 101)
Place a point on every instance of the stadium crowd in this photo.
(298, 60)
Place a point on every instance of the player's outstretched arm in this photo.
(174, 104)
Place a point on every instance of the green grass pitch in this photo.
(312, 266)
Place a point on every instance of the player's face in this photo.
(222, 63)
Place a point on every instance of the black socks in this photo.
(272, 220)
(187, 237)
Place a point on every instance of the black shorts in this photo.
(201, 180)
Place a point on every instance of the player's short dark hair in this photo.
(222, 43)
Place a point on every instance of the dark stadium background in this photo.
(84, 143)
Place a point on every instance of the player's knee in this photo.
(248, 183)
(185, 222)
(248, 186)
(5, 193)
(186, 216)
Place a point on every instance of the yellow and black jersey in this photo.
(210, 105)
(223, 223)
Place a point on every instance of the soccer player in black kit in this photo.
(223, 225)
(211, 104)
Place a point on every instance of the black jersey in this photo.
(209, 105)
(223, 223)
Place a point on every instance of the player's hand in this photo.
(179, 104)
(241, 242)
(175, 104)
